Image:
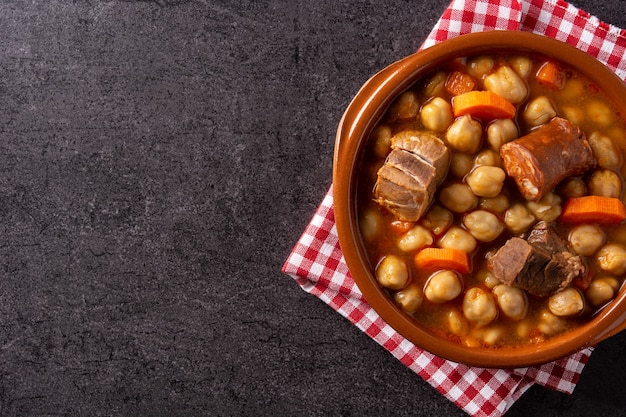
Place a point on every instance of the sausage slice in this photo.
(547, 155)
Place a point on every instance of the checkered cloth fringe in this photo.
(317, 264)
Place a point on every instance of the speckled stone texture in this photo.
(158, 161)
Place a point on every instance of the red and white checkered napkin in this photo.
(317, 264)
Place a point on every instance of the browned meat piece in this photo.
(404, 196)
(541, 265)
(423, 172)
(547, 155)
(408, 180)
(565, 264)
(519, 264)
(544, 235)
(427, 146)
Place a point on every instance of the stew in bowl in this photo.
(479, 195)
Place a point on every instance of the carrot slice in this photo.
(593, 209)
(443, 258)
(459, 82)
(483, 105)
(551, 75)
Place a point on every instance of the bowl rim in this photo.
(359, 118)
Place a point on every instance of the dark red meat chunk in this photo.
(542, 264)
(546, 156)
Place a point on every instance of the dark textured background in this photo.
(158, 161)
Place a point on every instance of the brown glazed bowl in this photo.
(361, 116)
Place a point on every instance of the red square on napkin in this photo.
(317, 264)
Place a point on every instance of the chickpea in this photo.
(486, 181)
(518, 218)
(479, 67)
(605, 183)
(458, 238)
(405, 107)
(479, 307)
(370, 224)
(486, 277)
(586, 239)
(523, 329)
(613, 283)
(488, 157)
(497, 204)
(436, 85)
(443, 286)
(548, 208)
(617, 134)
(381, 137)
(506, 83)
(574, 187)
(600, 113)
(483, 225)
(612, 258)
(488, 335)
(409, 299)
(437, 219)
(573, 89)
(605, 151)
(416, 238)
(522, 65)
(461, 164)
(601, 290)
(465, 134)
(458, 198)
(539, 111)
(392, 272)
(457, 323)
(512, 301)
(574, 114)
(566, 303)
(549, 324)
(437, 115)
(501, 131)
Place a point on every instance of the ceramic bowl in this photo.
(359, 119)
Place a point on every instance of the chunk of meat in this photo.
(419, 169)
(427, 146)
(547, 155)
(542, 265)
(407, 181)
(544, 235)
(401, 193)
(565, 264)
(519, 264)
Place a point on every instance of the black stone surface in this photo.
(158, 161)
